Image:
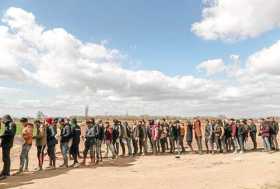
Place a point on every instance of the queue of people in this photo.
(130, 139)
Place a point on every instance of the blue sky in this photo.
(157, 34)
(156, 57)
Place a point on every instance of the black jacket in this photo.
(51, 132)
(65, 133)
(8, 135)
(76, 133)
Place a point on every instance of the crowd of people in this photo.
(137, 137)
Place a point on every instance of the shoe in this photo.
(20, 172)
(76, 165)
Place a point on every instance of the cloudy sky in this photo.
(161, 57)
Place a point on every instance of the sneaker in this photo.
(76, 165)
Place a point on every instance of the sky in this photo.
(189, 58)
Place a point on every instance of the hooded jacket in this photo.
(8, 135)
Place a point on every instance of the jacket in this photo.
(41, 135)
(76, 134)
(27, 133)
(8, 135)
(65, 133)
(51, 140)
(91, 135)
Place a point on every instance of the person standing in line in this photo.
(149, 135)
(165, 129)
(116, 136)
(172, 137)
(228, 140)
(155, 136)
(108, 137)
(240, 135)
(253, 133)
(51, 142)
(6, 144)
(163, 137)
(182, 135)
(99, 138)
(265, 133)
(65, 135)
(177, 138)
(135, 137)
(125, 138)
(41, 141)
(274, 129)
(27, 135)
(90, 142)
(219, 134)
(76, 137)
(142, 138)
(209, 136)
(198, 134)
(233, 127)
(189, 135)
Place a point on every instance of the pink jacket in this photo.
(155, 132)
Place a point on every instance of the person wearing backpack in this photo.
(6, 144)
(27, 135)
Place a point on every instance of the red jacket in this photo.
(233, 130)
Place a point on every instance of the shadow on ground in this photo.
(27, 178)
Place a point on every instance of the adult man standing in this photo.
(27, 135)
(99, 139)
(7, 144)
(116, 135)
(209, 136)
(65, 135)
(90, 142)
(125, 138)
(253, 133)
(51, 142)
(75, 134)
(274, 129)
(41, 141)
(198, 134)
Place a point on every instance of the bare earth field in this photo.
(251, 170)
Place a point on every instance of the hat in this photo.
(7, 118)
(49, 120)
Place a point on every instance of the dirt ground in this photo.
(251, 170)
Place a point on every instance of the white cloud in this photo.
(237, 19)
(212, 66)
(266, 60)
(59, 74)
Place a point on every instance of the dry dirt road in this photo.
(250, 170)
